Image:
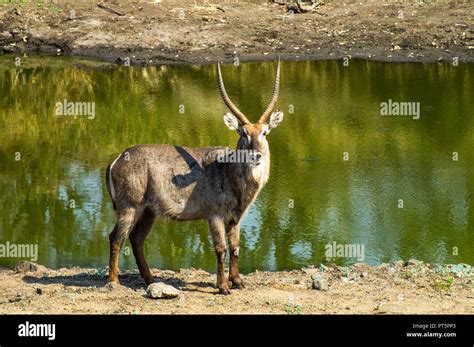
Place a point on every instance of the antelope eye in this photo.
(265, 133)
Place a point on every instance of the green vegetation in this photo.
(443, 284)
(292, 308)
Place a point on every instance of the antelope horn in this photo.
(239, 115)
(276, 91)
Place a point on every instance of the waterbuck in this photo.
(181, 183)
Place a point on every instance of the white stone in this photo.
(161, 291)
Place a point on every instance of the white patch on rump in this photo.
(111, 182)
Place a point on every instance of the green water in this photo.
(54, 195)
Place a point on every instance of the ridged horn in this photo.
(271, 104)
(236, 112)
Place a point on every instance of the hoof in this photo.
(224, 290)
(237, 283)
(109, 286)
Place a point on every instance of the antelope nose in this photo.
(259, 156)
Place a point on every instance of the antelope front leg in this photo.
(217, 229)
(233, 233)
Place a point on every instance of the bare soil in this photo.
(173, 32)
(396, 288)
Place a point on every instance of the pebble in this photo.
(161, 291)
(319, 283)
(108, 287)
(399, 263)
(6, 35)
(28, 266)
(16, 298)
(412, 262)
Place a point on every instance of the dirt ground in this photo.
(404, 288)
(181, 32)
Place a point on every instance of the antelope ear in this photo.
(230, 121)
(275, 119)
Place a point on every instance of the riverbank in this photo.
(398, 288)
(144, 33)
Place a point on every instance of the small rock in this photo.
(396, 48)
(15, 298)
(161, 290)
(39, 291)
(9, 49)
(28, 266)
(108, 287)
(412, 262)
(5, 36)
(322, 267)
(398, 263)
(187, 272)
(319, 283)
(359, 265)
(310, 271)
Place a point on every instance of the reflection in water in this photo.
(55, 194)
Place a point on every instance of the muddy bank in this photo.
(411, 287)
(176, 32)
